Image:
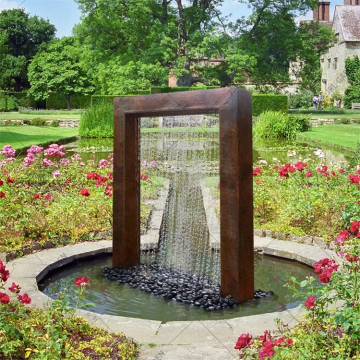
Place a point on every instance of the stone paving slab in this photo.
(185, 352)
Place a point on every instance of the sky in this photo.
(64, 14)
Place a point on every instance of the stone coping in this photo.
(30, 269)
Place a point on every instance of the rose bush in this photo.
(309, 197)
(331, 326)
(48, 196)
(55, 332)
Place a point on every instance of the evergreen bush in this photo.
(97, 121)
(300, 100)
(38, 121)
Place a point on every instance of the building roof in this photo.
(349, 21)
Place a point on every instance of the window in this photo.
(329, 63)
(335, 63)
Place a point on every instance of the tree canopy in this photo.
(129, 45)
(59, 69)
(25, 35)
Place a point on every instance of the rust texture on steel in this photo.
(236, 202)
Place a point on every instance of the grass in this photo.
(21, 137)
(48, 115)
(338, 136)
(330, 114)
(51, 112)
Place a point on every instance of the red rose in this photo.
(2, 195)
(1, 182)
(243, 341)
(85, 192)
(4, 298)
(81, 281)
(47, 197)
(9, 180)
(24, 299)
(310, 302)
(14, 288)
(37, 196)
(308, 174)
(5, 275)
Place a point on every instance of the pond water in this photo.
(266, 149)
(121, 300)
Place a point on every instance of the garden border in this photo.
(28, 270)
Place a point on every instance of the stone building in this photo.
(346, 26)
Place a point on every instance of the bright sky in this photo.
(64, 14)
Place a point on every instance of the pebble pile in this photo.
(176, 286)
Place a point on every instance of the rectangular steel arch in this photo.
(236, 179)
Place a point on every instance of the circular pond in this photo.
(117, 299)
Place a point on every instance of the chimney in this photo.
(172, 78)
(351, 2)
(322, 13)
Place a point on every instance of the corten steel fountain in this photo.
(236, 198)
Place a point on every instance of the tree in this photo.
(272, 36)
(59, 69)
(167, 32)
(315, 39)
(3, 47)
(25, 37)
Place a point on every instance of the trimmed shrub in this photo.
(97, 99)
(301, 100)
(38, 121)
(97, 121)
(77, 101)
(167, 89)
(269, 102)
(55, 123)
(7, 103)
(272, 124)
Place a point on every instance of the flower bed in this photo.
(331, 327)
(47, 199)
(309, 197)
(54, 333)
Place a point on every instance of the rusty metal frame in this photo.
(236, 183)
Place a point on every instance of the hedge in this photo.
(167, 89)
(7, 103)
(96, 99)
(77, 101)
(25, 101)
(269, 102)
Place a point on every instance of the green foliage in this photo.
(269, 102)
(25, 35)
(55, 123)
(118, 78)
(7, 102)
(302, 99)
(38, 121)
(272, 124)
(352, 93)
(59, 69)
(55, 332)
(58, 101)
(98, 121)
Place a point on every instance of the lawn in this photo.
(330, 114)
(48, 115)
(340, 136)
(21, 137)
